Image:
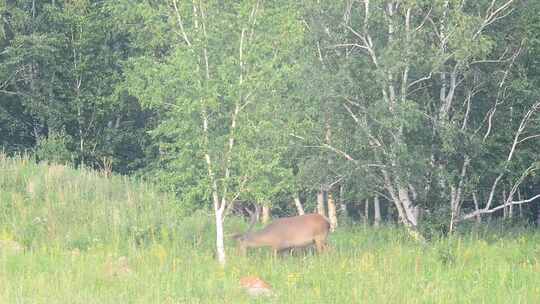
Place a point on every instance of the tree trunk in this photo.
(332, 215)
(298, 204)
(520, 207)
(510, 208)
(377, 207)
(265, 214)
(81, 133)
(220, 246)
(402, 201)
(366, 212)
(320, 203)
(505, 209)
(410, 212)
(342, 205)
(476, 208)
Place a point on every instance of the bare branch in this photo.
(420, 80)
(335, 182)
(493, 14)
(351, 44)
(340, 152)
(319, 52)
(522, 126)
(253, 19)
(241, 189)
(348, 9)
(14, 93)
(486, 211)
(180, 23)
(467, 111)
(362, 37)
(423, 20)
(500, 93)
(492, 192)
(350, 158)
(366, 16)
(528, 137)
(354, 103)
(297, 136)
(516, 185)
(351, 113)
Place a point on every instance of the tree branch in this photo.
(493, 15)
(500, 93)
(487, 211)
(180, 23)
(14, 93)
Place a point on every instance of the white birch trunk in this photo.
(377, 207)
(406, 209)
(505, 209)
(519, 206)
(298, 204)
(320, 203)
(409, 208)
(342, 205)
(265, 214)
(332, 215)
(366, 212)
(220, 245)
(477, 208)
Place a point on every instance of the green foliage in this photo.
(90, 82)
(392, 67)
(54, 149)
(60, 71)
(176, 84)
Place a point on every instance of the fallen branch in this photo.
(487, 211)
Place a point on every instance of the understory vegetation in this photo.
(136, 136)
(84, 237)
(421, 114)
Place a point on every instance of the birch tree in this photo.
(425, 84)
(221, 81)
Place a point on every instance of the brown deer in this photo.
(286, 233)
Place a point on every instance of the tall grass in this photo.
(54, 205)
(75, 225)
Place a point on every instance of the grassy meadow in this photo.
(75, 236)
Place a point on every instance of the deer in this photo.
(286, 233)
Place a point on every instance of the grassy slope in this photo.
(74, 225)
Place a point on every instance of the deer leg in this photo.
(281, 252)
(321, 245)
(296, 251)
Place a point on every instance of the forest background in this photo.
(422, 113)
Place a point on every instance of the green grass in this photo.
(75, 225)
